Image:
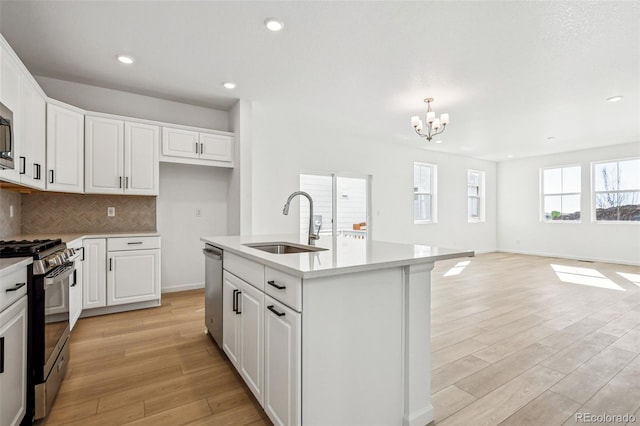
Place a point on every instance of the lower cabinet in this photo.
(13, 368)
(243, 311)
(120, 271)
(76, 287)
(282, 366)
(261, 337)
(133, 276)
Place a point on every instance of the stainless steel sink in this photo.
(284, 248)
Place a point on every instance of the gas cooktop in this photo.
(35, 248)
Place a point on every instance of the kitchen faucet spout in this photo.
(285, 211)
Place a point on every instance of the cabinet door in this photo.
(216, 147)
(282, 397)
(180, 143)
(65, 149)
(13, 380)
(104, 165)
(141, 163)
(75, 293)
(251, 307)
(133, 276)
(34, 131)
(11, 82)
(230, 318)
(94, 274)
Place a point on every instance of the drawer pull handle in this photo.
(17, 287)
(272, 309)
(273, 284)
(134, 242)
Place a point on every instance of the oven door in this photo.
(56, 313)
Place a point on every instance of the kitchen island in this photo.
(339, 336)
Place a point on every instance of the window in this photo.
(561, 193)
(475, 196)
(424, 192)
(617, 190)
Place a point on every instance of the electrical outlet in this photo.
(111, 211)
(198, 212)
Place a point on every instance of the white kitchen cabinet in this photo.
(76, 285)
(282, 363)
(244, 307)
(33, 150)
(13, 370)
(104, 163)
(196, 147)
(230, 318)
(120, 271)
(141, 158)
(10, 88)
(94, 274)
(121, 157)
(133, 276)
(65, 148)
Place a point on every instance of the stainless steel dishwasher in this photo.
(213, 292)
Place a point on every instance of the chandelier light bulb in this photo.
(434, 126)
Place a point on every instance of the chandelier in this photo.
(435, 126)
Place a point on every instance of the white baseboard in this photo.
(565, 256)
(182, 287)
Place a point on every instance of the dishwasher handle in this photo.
(212, 252)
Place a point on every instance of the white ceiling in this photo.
(510, 74)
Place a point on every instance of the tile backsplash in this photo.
(9, 225)
(77, 213)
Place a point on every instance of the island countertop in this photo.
(342, 255)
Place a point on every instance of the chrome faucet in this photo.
(285, 211)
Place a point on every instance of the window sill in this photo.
(423, 222)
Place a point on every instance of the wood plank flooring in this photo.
(512, 344)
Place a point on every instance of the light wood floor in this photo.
(512, 344)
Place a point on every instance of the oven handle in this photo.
(67, 271)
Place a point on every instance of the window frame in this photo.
(433, 188)
(594, 193)
(543, 219)
(480, 197)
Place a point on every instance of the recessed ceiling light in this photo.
(273, 24)
(125, 59)
(509, 155)
(551, 138)
(614, 99)
(229, 85)
(438, 141)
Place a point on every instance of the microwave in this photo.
(6, 138)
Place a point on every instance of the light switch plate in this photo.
(111, 211)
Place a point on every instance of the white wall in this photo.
(183, 189)
(117, 102)
(520, 229)
(239, 206)
(285, 147)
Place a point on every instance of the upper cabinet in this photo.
(10, 96)
(65, 149)
(33, 149)
(21, 94)
(194, 147)
(121, 157)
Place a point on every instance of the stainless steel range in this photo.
(48, 294)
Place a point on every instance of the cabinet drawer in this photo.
(11, 281)
(250, 271)
(284, 288)
(133, 243)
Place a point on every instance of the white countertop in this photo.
(344, 255)
(71, 238)
(8, 265)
